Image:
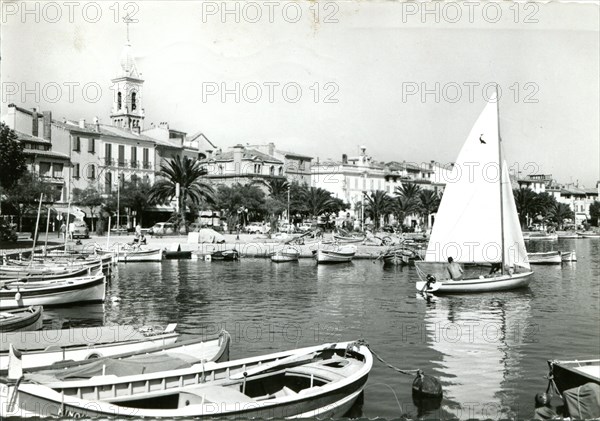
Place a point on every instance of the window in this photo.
(57, 170)
(302, 164)
(108, 153)
(280, 170)
(272, 170)
(76, 171)
(108, 182)
(45, 169)
(146, 158)
(133, 157)
(76, 144)
(91, 172)
(133, 101)
(119, 101)
(91, 145)
(121, 155)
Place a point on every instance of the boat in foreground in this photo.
(477, 223)
(335, 254)
(545, 258)
(288, 254)
(135, 253)
(22, 319)
(55, 292)
(575, 373)
(46, 347)
(319, 381)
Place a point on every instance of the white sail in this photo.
(468, 224)
(515, 253)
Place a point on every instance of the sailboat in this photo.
(477, 223)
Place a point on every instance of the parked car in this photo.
(256, 228)
(162, 228)
(80, 230)
(305, 226)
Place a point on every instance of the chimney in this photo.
(47, 125)
(344, 159)
(82, 123)
(271, 148)
(97, 124)
(34, 123)
(238, 151)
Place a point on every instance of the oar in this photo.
(284, 361)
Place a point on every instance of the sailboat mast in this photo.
(500, 174)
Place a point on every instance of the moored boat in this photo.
(335, 254)
(545, 258)
(477, 222)
(568, 256)
(348, 238)
(542, 236)
(22, 319)
(567, 235)
(225, 255)
(54, 292)
(569, 374)
(319, 381)
(589, 234)
(71, 347)
(287, 254)
(400, 256)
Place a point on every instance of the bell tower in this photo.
(127, 111)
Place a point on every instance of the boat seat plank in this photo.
(218, 394)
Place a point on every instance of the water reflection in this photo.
(479, 339)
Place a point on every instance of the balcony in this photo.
(147, 165)
(109, 162)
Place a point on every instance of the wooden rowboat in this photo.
(288, 254)
(55, 292)
(320, 381)
(225, 255)
(545, 258)
(570, 374)
(72, 347)
(336, 254)
(568, 256)
(21, 319)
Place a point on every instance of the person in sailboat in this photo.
(454, 270)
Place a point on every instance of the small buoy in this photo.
(208, 257)
(115, 299)
(18, 296)
(427, 386)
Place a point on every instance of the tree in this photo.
(89, 197)
(235, 200)
(135, 195)
(559, 212)
(316, 201)
(189, 176)
(402, 207)
(25, 194)
(543, 202)
(429, 202)
(408, 191)
(595, 213)
(277, 187)
(525, 200)
(378, 204)
(12, 158)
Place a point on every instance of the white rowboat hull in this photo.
(497, 283)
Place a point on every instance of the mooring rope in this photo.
(417, 371)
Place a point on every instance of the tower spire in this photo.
(127, 21)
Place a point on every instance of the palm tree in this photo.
(188, 174)
(378, 204)
(317, 201)
(525, 201)
(403, 207)
(559, 212)
(408, 191)
(429, 202)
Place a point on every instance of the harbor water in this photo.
(488, 350)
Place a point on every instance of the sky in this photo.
(405, 80)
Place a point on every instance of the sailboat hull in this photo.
(496, 283)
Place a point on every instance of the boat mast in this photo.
(500, 173)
